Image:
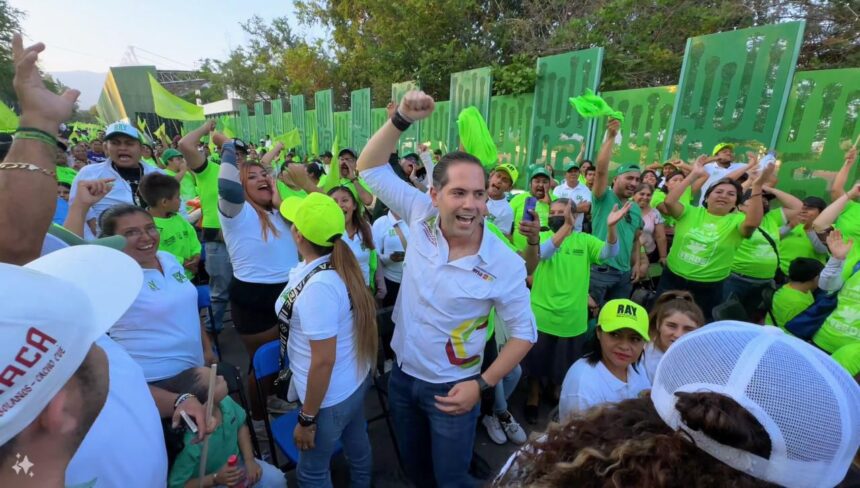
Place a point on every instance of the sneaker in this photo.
(494, 429)
(512, 428)
(277, 406)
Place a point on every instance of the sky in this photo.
(92, 35)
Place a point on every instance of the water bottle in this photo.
(232, 461)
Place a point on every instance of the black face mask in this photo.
(555, 222)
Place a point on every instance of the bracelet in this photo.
(36, 136)
(755, 194)
(37, 131)
(400, 122)
(181, 398)
(533, 243)
(28, 167)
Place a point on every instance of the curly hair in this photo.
(628, 444)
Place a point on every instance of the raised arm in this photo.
(272, 155)
(231, 195)
(755, 210)
(601, 174)
(829, 215)
(89, 193)
(841, 178)
(791, 205)
(188, 145)
(416, 105)
(672, 203)
(752, 164)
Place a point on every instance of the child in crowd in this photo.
(796, 295)
(673, 315)
(230, 438)
(161, 194)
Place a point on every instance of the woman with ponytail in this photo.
(330, 317)
(358, 235)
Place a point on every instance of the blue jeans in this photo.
(436, 448)
(220, 273)
(343, 422)
(608, 283)
(749, 292)
(270, 477)
(505, 388)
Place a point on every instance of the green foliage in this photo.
(515, 78)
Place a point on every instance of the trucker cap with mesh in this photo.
(808, 405)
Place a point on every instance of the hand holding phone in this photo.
(531, 203)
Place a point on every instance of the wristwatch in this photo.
(482, 384)
(306, 420)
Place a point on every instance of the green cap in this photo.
(539, 171)
(317, 216)
(624, 314)
(570, 166)
(627, 168)
(66, 175)
(68, 238)
(510, 169)
(723, 145)
(170, 154)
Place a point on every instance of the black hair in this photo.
(440, 171)
(108, 218)
(65, 184)
(157, 186)
(804, 269)
(642, 175)
(724, 181)
(594, 353)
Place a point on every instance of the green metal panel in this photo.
(647, 112)
(410, 139)
(360, 124)
(270, 125)
(259, 121)
(468, 88)
(244, 126)
(325, 119)
(435, 127)
(252, 128)
(510, 126)
(733, 88)
(341, 130)
(133, 85)
(310, 125)
(378, 116)
(558, 130)
(277, 117)
(288, 123)
(820, 125)
(297, 108)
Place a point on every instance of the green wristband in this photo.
(36, 136)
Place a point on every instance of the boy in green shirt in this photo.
(796, 295)
(178, 237)
(176, 167)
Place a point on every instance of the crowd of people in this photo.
(688, 322)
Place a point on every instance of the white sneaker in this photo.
(494, 429)
(512, 429)
(277, 406)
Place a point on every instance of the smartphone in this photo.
(531, 203)
(399, 254)
(188, 421)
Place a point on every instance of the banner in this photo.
(510, 126)
(342, 130)
(468, 88)
(297, 108)
(325, 119)
(360, 127)
(410, 139)
(259, 121)
(170, 106)
(435, 127)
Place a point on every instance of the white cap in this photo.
(53, 309)
(808, 405)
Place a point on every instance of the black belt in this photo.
(212, 235)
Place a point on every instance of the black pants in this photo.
(707, 295)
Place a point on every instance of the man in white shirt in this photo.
(390, 236)
(500, 212)
(721, 165)
(457, 272)
(579, 194)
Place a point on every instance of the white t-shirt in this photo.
(125, 445)
(586, 386)
(715, 173)
(650, 359)
(161, 329)
(362, 253)
(578, 194)
(255, 260)
(501, 214)
(322, 311)
(119, 193)
(387, 242)
(442, 309)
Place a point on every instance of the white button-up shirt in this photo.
(387, 242)
(442, 310)
(578, 194)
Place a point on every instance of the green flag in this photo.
(290, 140)
(335, 145)
(8, 119)
(170, 106)
(315, 144)
(225, 126)
(141, 125)
(591, 105)
(476, 138)
(161, 133)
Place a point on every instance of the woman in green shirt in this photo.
(706, 237)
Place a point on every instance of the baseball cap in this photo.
(170, 154)
(815, 202)
(121, 128)
(413, 157)
(627, 168)
(539, 171)
(723, 145)
(317, 216)
(58, 237)
(808, 404)
(510, 169)
(55, 308)
(570, 166)
(347, 151)
(624, 314)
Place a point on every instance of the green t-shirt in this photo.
(178, 238)
(518, 204)
(626, 228)
(755, 256)
(849, 358)
(223, 443)
(704, 244)
(842, 327)
(187, 186)
(849, 224)
(787, 304)
(207, 188)
(659, 197)
(149, 162)
(796, 244)
(560, 289)
(286, 192)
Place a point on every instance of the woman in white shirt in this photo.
(358, 235)
(261, 250)
(331, 318)
(673, 315)
(390, 236)
(610, 373)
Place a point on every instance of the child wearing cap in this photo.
(502, 179)
(610, 373)
(177, 167)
